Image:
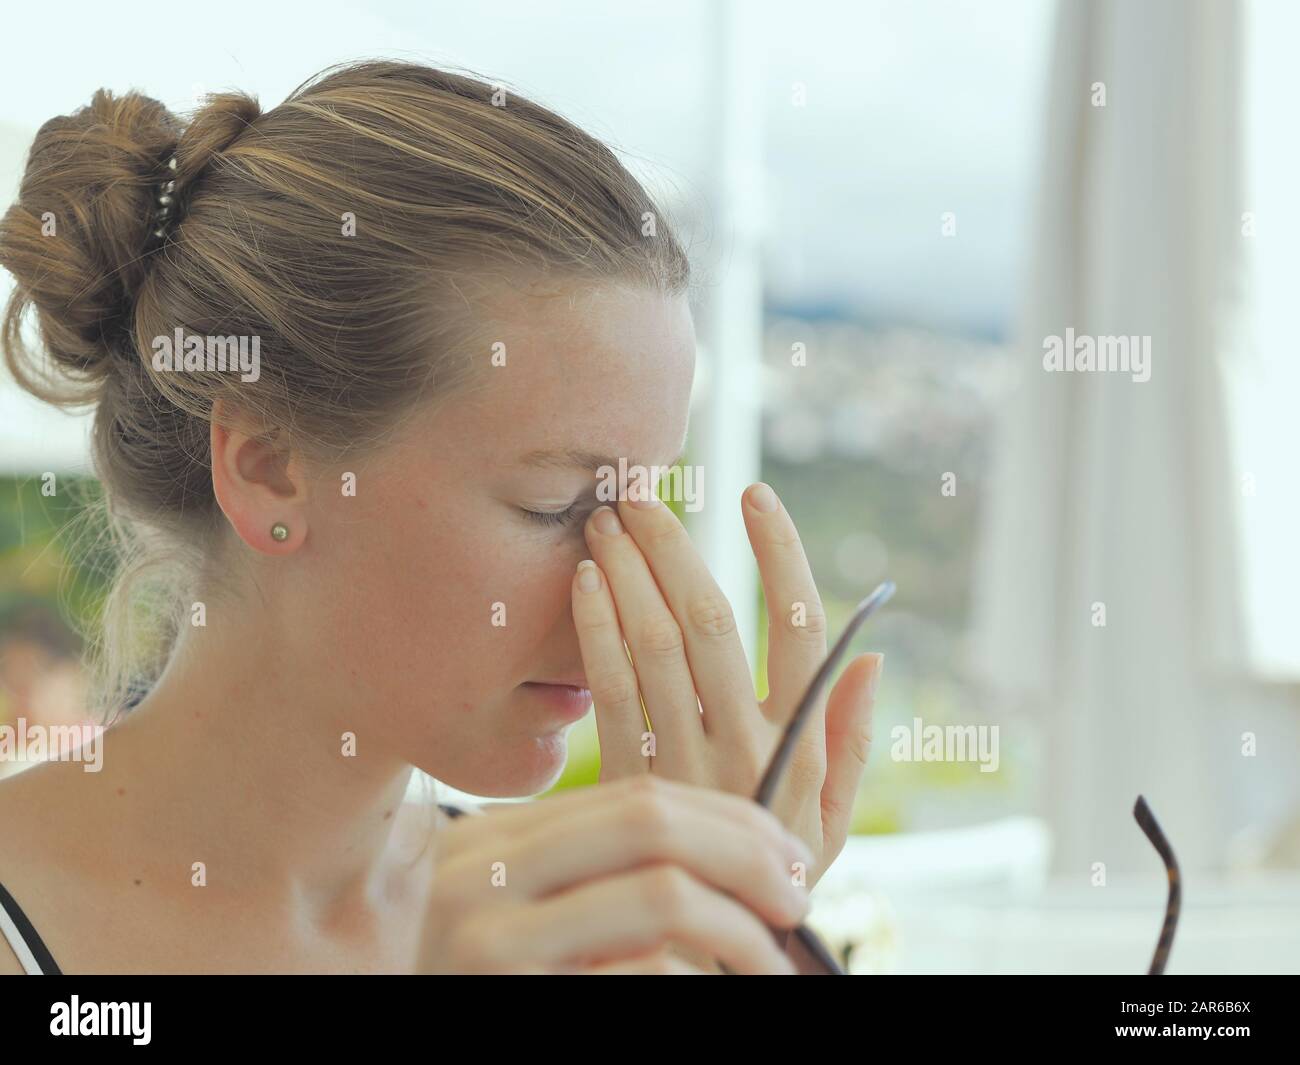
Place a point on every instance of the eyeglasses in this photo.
(1147, 820)
(814, 947)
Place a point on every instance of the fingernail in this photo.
(588, 578)
(762, 498)
(607, 521)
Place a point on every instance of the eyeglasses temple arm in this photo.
(1147, 821)
(784, 749)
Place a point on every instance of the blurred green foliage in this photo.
(52, 556)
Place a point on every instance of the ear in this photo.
(258, 483)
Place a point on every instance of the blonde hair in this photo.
(447, 184)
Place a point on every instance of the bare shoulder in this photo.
(19, 803)
(31, 801)
(15, 858)
(39, 845)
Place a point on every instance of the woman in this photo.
(428, 316)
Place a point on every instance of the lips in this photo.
(564, 702)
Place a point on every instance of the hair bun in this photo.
(76, 238)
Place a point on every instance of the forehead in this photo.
(600, 372)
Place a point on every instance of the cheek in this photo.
(446, 607)
(518, 586)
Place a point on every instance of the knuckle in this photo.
(649, 818)
(664, 534)
(711, 615)
(594, 621)
(786, 539)
(809, 623)
(859, 745)
(668, 895)
(836, 810)
(646, 784)
(662, 636)
(614, 690)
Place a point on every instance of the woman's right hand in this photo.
(635, 876)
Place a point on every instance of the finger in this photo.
(655, 640)
(714, 651)
(620, 719)
(657, 963)
(644, 826)
(796, 619)
(848, 743)
(643, 910)
(518, 819)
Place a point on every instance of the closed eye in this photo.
(552, 517)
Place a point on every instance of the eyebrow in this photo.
(569, 458)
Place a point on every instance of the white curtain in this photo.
(1115, 495)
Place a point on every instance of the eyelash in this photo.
(552, 518)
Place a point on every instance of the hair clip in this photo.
(166, 202)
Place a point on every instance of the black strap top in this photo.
(32, 953)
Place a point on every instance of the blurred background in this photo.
(891, 206)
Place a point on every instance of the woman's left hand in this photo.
(686, 657)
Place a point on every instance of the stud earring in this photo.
(279, 531)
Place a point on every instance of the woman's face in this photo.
(434, 598)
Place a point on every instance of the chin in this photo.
(528, 767)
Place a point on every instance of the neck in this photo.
(236, 759)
